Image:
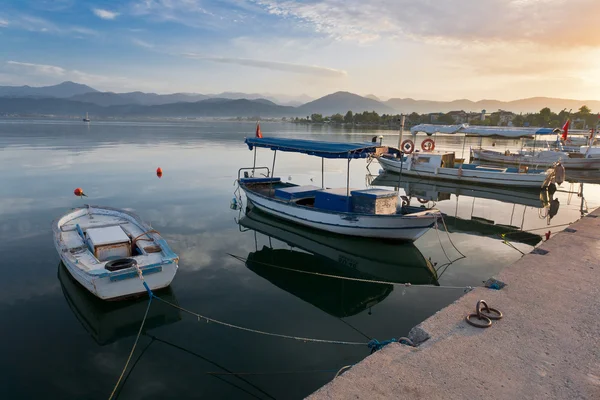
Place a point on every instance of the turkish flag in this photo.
(565, 129)
(258, 131)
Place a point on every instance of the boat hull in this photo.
(399, 227)
(537, 161)
(128, 287)
(465, 175)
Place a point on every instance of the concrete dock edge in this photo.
(547, 346)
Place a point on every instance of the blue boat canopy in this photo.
(315, 147)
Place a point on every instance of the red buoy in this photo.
(159, 172)
(79, 192)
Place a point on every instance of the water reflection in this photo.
(312, 252)
(428, 193)
(108, 322)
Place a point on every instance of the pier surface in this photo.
(547, 346)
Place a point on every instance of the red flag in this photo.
(258, 131)
(565, 129)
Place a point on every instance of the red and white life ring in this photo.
(428, 145)
(408, 146)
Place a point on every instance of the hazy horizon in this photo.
(464, 49)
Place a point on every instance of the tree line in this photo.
(581, 119)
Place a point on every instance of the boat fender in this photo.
(121, 263)
(554, 205)
(428, 145)
(408, 146)
(559, 173)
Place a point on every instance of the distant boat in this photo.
(86, 119)
(105, 248)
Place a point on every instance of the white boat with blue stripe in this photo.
(366, 213)
(108, 250)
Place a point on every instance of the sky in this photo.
(422, 49)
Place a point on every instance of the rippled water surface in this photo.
(58, 342)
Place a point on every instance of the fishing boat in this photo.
(108, 250)
(361, 271)
(86, 119)
(365, 213)
(108, 322)
(544, 158)
(444, 166)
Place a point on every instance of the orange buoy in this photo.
(79, 192)
(159, 172)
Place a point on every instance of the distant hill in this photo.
(104, 99)
(530, 105)
(79, 99)
(205, 108)
(151, 99)
(373, 97)
(62, 90)
(342, 102)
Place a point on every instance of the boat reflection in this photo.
(427, 191)
(108, 322)
(315, 252)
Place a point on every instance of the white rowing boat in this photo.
(545, 158)
(105, 249)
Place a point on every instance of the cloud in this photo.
(36, 24)
(534, 21)
(187, 12)
(272, 65)
(54, 71)
(41, 69)
(105, 14)
(141, 43)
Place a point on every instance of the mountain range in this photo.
(74, 99)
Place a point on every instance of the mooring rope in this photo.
(348, 278)
(134, 345)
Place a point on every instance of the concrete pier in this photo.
(547, 346)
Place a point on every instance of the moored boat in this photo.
(444, 166)
(107, 249)
(544, 158)
(366, 213)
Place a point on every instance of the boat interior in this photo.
(367, 201)
(97, 239)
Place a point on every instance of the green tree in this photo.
(584, 111)
(337, 118)
(316, 118)
(445, 119)
(349, 117)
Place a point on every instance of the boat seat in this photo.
(260, 180)
(296, 192)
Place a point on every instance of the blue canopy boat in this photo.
(366, 213)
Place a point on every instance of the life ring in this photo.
(121, 263)
(428, 145)
(408, 146)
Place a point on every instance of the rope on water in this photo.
(348, 278)
(303, 339)
(134, 345)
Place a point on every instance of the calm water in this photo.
(57, 342)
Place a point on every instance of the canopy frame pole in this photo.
(273, 169)
(402, 120)
(322, 172)
(254, 165)
(348, 183)
(463, 149)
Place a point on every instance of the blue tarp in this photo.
(315, 147)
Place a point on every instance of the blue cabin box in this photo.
(374, 201)
(296, 192)
(333, 200)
